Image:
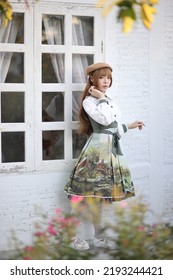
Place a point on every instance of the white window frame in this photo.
(33, 86)
(28, 88)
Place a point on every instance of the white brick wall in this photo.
(21, 195)
(129, 55)
(168, 111)
(143, 86)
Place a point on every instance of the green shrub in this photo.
(135, 238)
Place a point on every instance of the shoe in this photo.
(79, 244)
(105, 243)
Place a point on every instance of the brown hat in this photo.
(97, 66)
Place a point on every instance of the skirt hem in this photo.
(109, 198)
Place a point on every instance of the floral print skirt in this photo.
(100, 173)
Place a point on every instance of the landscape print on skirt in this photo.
(99, 172)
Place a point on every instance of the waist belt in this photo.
(116, 148)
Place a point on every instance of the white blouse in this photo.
(104, 111)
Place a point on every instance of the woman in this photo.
(100, 171)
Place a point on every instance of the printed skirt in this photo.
(99, 172)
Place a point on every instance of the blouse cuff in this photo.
(125, 127)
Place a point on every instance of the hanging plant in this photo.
(130, 10)
(6, 11)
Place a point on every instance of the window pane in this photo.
(79, 63)
(13, 146)
(79, 141)
(53, 29)
(14, 31)
(52, 106)
(12, 107)
(83, 30)
(53, 68)
(11, 67)
(76, 104)
(53, 145)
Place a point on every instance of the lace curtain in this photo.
(7, 35)
(54, 34)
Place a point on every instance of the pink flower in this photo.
(51, 230)
(76, 199)
(140, 228)
(39, 233)
(58, 211)
(123, 204)
(28, 248)
(27, 258)
(71, 220)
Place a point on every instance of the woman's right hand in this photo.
(96, 93)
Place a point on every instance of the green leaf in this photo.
(128, 12)
(125, 3)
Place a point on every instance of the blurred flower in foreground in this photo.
(128, 11)
(147, 12)
(123, 204)
(76, 199)
(127, 24)
(6, 11)
(134, 237)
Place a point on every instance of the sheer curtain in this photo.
(79, 61)
(7, 35)
(54, 34)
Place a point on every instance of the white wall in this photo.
(143, 85)
(129, 55)
(167, 117)
(21, 197)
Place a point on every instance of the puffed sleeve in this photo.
(99, 110)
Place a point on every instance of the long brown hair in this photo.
(85, 125)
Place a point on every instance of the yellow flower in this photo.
(154, 2)
(127, 24)
(127, 10)
(146, 23)
(9, 13)
(148, 12)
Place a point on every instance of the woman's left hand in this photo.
(136, 124)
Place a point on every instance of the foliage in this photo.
(6, 11)
(51, 240)
(130, 10)
(134, 237)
